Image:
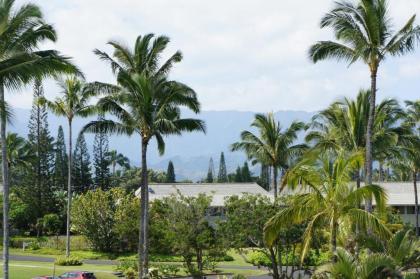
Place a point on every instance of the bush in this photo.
(68, 261)
(169, 269)
(238, 276)
(258, 258)
(130, 273)
(126, 264)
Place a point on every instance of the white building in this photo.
(400, 194)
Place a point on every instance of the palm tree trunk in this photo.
(416, 202)
(5, 177)
(276, 274)
(381, 170)
(334, 229)
(369, 162)
(69, 191)
(275, 181)
(144, 214)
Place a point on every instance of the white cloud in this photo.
(241, 55)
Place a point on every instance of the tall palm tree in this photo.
(327, 197)
(21, 32)
(74, 102)
(114, 158)
(19, 151)
(409, 157)
(364, 32)
(273, 146)
(147, 103)
(342, 126)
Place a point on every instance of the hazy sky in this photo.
(238, 54)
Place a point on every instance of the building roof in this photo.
(399, 193)
(219, 191)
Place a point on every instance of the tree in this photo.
(74, 102)
(170, 173)
(342, 126)
(114, 158)
(20, 156)
(100, 160)
(210, 172)
(192, 236)
(238, 175)
(264, 179)
(23, 29)
(41, 141)
(222, 174)
(246, 173)
(147, 103)
(60, 162)
(364, 32)
(82, 176)
(328, 199)
(272, 147)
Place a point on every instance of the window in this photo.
(399, 209)
(410, 209)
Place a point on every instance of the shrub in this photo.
(68, 261)
(258, 258)
(169, 269)
(238, 276)
(130, 273)
(126, 264)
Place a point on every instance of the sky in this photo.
(245, 55)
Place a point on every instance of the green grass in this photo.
(238, 260)
(25, 270)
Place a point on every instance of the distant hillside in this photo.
(191, 152)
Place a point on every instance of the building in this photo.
(400, 194)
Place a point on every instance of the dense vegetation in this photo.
(314, 223)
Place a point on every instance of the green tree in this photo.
(146, 103)
(74, 102)
(272, 147)
(342, 126)
(264, 179)
(41, 141)
(364, 33)
(192, 235)
(100, 160)
(246, 173)
(60, 162)
(20, 156)
(22, 30)
(210, 172)
(170, 173)
(222, 174)
(328, 199)
(82, 176)
(114, 158)
(238, 175)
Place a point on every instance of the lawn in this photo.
(25, 270)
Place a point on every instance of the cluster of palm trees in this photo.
(144, 101)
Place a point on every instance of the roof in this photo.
(399, 193)
(219, 191)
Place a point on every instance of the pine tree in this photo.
(222, 175)
(60, 163)
(210, 172)
(238, 175)
(246, 173)
(264, 179)
(170, 173)
(101, 165)
(41, 142)
(82, 177)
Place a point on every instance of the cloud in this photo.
(239, 55)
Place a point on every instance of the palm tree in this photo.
(21, 31)
(114, 158)
(273, 146)
(390, 258)
(364, 32)
(327, 198)
(343, 124)
(409, 157)
(74, 102)
(146, 103)
(19, 151)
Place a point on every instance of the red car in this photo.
(78, 275)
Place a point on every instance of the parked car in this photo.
(46, 277)
(78, 275)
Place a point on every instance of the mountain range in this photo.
(190, 152)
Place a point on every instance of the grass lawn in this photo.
(26, 270)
